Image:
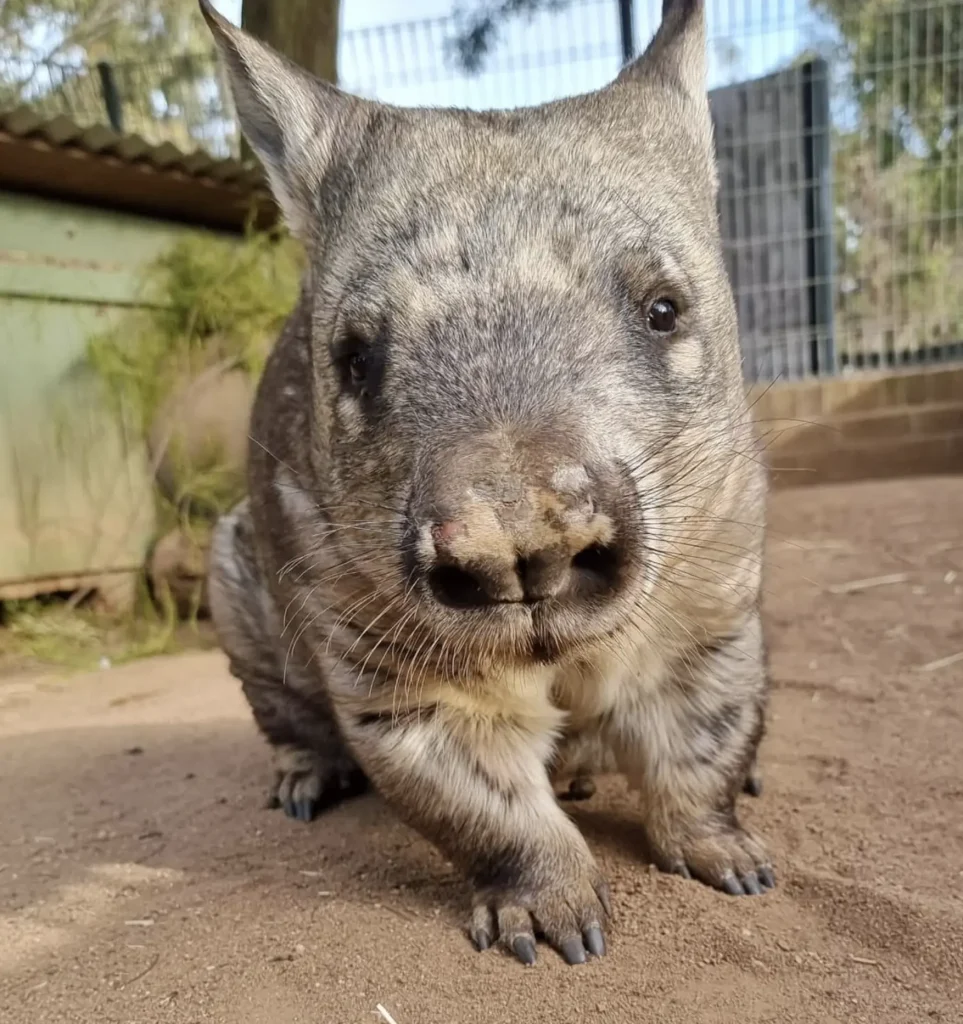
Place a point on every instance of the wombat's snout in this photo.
(499, 526)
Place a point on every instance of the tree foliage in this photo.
(75, 31)
(905, 60)
(480, 27)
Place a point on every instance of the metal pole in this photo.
(111, 95)
(627, 29)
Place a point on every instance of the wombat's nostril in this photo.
(457, 588)
(596, 567)
(544, 574)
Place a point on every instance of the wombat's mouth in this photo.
(547, 647)
(587, 609)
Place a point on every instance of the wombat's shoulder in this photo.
(280, 412)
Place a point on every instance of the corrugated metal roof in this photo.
(58, 158)
(61, 131)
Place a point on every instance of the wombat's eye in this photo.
(352, 358)
(663, 316)
(358, 369)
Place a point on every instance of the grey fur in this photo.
(472, 384)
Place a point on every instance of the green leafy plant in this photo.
(206, 301)
(209, 305)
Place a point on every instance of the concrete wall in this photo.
(866, 426)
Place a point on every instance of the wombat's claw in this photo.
(582, 787)
(301, 810)
(303, 795)
(747, 885)
(753, 786)
(570, 918)
(732, 861)
(524, 948)
(750, 883)
(595, 941)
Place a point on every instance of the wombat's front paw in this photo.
(723, 856)
(306, 784)
(569, 913)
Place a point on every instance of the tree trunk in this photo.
(304, 30)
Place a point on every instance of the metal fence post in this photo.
(627, 29)
(111, 95)
(817, 162)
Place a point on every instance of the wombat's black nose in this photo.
(549, 573)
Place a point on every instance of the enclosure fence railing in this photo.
(839, 128)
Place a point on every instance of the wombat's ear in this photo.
(677, 53)
(290, 118)
(675, 61)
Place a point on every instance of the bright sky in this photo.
(550, 56)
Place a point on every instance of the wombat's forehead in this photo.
(480, 228)
(467, 232)
(425, 183)
(422, 271)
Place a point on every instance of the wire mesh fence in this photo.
(839, 128)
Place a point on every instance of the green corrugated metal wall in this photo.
(75, 495)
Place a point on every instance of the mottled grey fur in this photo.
(501, 527)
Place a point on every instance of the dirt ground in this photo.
(141, 879)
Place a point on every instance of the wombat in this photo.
(506, 505)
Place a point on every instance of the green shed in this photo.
(82, 212)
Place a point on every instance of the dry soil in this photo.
(141, 879)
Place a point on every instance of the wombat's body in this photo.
(506, 513)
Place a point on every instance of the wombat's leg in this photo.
(473, 780)
(314, 769)
(688, 748)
